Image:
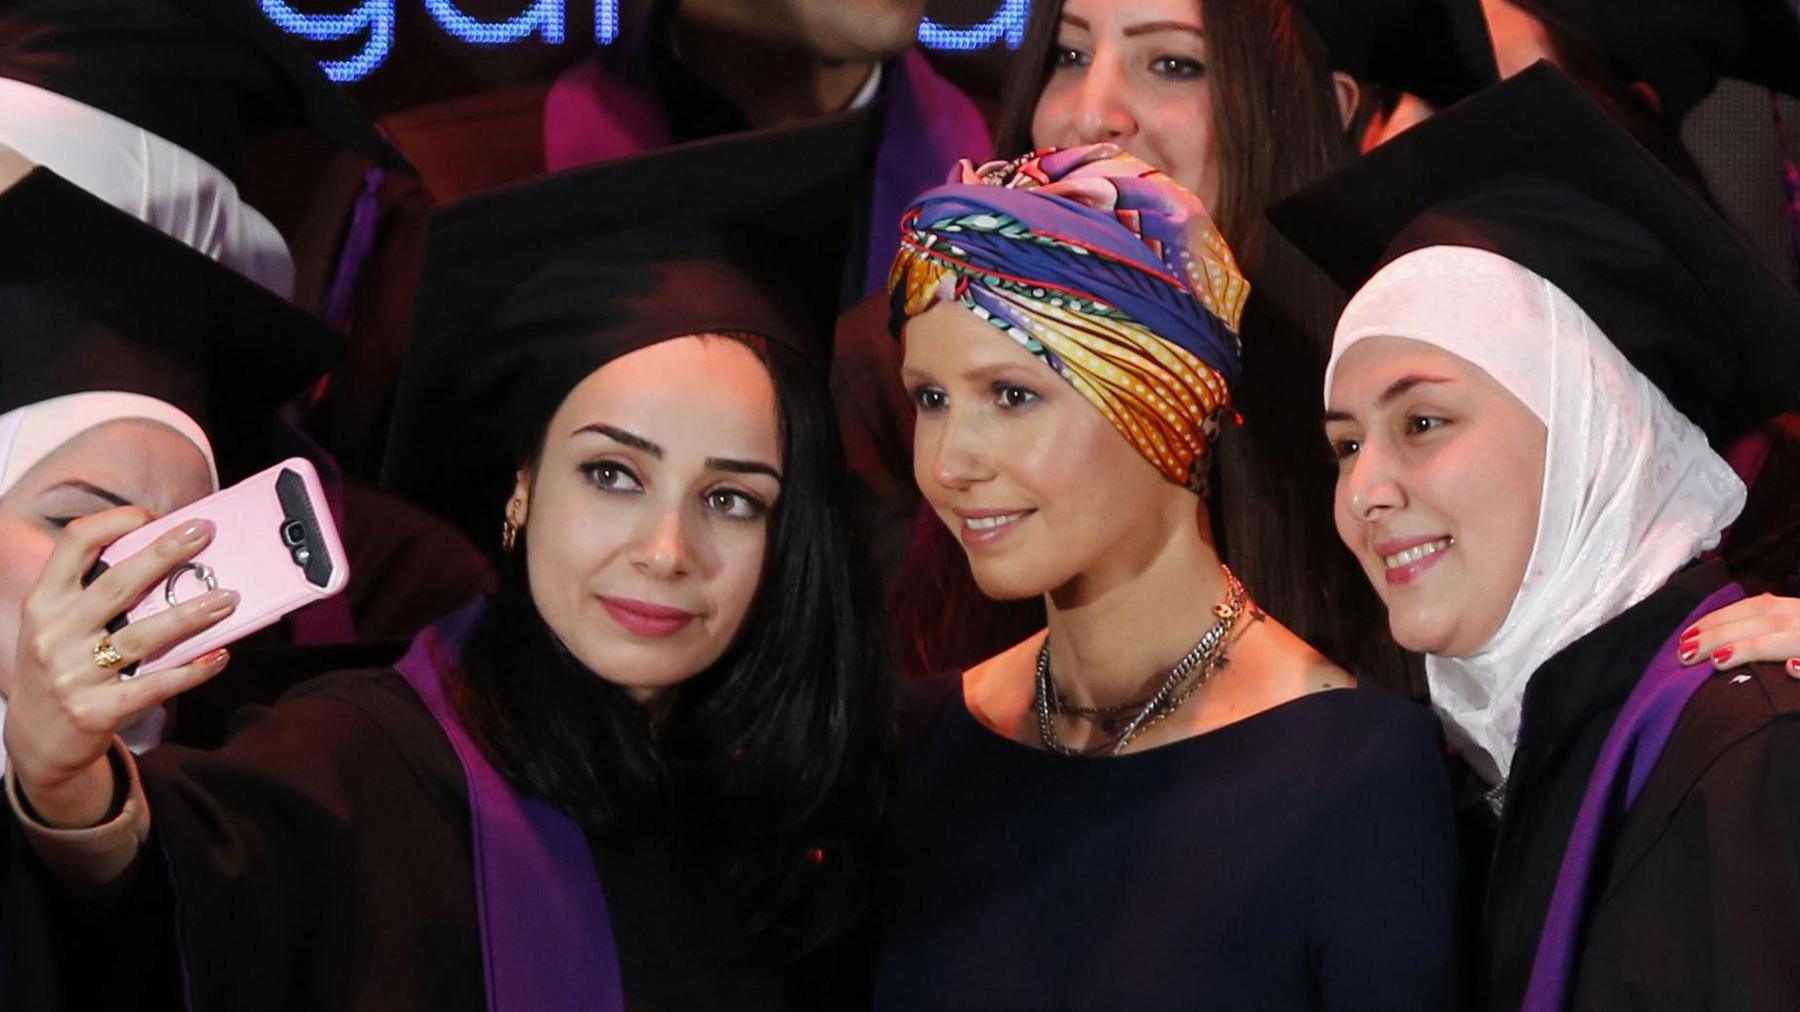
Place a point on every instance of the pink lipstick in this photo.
(641, 618)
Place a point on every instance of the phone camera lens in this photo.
(294, 533)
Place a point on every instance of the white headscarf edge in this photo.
(33, 432)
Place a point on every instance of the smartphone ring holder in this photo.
(200, 570)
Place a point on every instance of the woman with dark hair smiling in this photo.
(1526, 397)
(640, 775)
(1165, 798)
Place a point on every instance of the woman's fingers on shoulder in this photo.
(1755, 629)
(1761, 628)
(1761, 608)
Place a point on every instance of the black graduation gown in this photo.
(1697, 903)
(60, 951)
(322, 862)
(1762, 547)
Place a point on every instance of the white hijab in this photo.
(153, 180)
(33, 432)
(1632, 490)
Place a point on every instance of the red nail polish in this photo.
(1690, 636)
(1688, 654)
(1793, 666)
(1721, 655)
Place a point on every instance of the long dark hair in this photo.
(1277, 125)
(767, 770)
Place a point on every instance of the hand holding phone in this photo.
(274, 543)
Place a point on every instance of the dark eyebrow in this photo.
(1395, 390)
(1399, 387)
(619, 435)
(742, 466)
(91, 489)
(1081, 23)
(993, 369)
(1152, 27)
(638, 442)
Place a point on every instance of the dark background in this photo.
(1732, 135)
(426, 63)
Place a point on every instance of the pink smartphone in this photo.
(274, 543)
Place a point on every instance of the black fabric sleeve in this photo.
(1708, 915)
(1383, 895)
(320, 857)
(61, 951)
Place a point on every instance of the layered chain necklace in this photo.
(1121, 723)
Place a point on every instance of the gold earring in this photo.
(509, 528)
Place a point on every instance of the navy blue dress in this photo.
(1302, 858)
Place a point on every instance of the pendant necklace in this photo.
(1120, 723)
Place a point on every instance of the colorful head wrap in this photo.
(1103, 267)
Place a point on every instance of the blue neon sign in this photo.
(374, 16)
(546, 20)
(1007, 23)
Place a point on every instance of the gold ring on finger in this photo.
(105, 654)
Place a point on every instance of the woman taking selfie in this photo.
(640, 774)
(1526, 401)
(111, 395)
(1165, 796)
(110, 366)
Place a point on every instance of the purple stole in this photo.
(1627, 757)
(600, 111)
(546, 936)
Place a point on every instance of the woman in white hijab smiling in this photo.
(1525, 401)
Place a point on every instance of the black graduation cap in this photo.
(209, 75)
(526, 290)
(1534, 171)
(1682, 47)
(94, 299)
(1438, 50)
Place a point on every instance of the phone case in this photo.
(274, 543)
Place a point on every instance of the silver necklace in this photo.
(1173, 688)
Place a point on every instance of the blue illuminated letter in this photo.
(377, 16)
(1007, 23)
(545, 18)
(606, 21)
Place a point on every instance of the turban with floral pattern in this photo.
(1104, 268)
